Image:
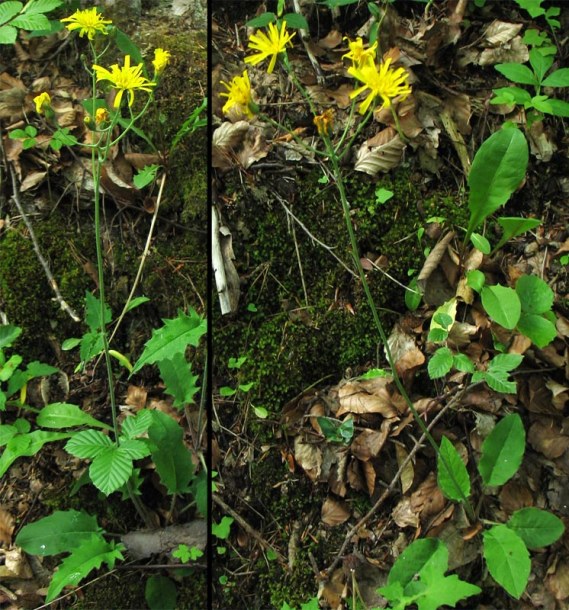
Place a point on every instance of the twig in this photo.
(312, 237)
(250, 530)
(142, 259)
(394, 482)
(51, 280)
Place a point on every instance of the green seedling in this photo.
(505, 546)
(536, 77)
(337, 431)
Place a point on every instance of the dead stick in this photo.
(250, 530)
(391, 486)
(62, 303)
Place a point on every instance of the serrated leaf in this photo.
(446, 484)
(111, 469)
(497, 380)
(91, 554)
(221, 530)
(57, 533)
(502, 304)
(136, 425)
(503, 451)
(135, 449)
(8, 10)
(505, 362)
(88, 444)
(440, 363)
(172, 459)
(461, 362)
(536, 527)
(172, 338)
(31, 22)
(538, 329)
(507, 559)
(176, 373)
(65, 415)
(93, 312)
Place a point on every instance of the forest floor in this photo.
(306, 510)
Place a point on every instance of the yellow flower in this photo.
(160, 61)
(324, 122)
(101, 115)
(128, 78)
(239, 95)
(383, 82)
(42, 102)
(87, 22)
(357, 53)
(273, 44)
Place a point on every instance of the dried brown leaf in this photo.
(367, 396)
(408, 473)
(382, 153)
(558, 582)
(516, 51)
(31, 180)
(500, 32)
(369, 443)
(309, 457)
(6, 527)
(334, 512)
(226, 138)
(545, 436)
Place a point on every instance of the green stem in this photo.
(337, 172)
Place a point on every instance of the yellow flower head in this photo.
(128, 78)
(42, 102)
(87, 22)
(357, 53)
(161, 60)
(101, 115)
(270, 45)
(324, 122)
(239, 95)
(383, 82)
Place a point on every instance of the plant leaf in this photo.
(172, 338)
(88, 444)
(517, 73)
(497, 170)
(440, 363)
(502, 304)
(8, 334)
(512, 227)
(176, 373)
(413, 559)
(536, 527)
(160, 593)
(448, 451)
(507, 559)
(538, 329)
(91, 554)
(111, 468)
(558, 78)
(502, 451)
(535, 295)
(136, 425)
(31, 22)
(57, 533)
(8, 10)
(26, 445)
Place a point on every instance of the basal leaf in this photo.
(514, 226)
(65, 415)
(445, 481)
(502, 451)
(171, 457)
(8, 334)
(91, 554)
(176, 373)
(536, 527)
(57, 533)
(498, 169)
(26, 445)
(172, 338)
(502, 304)
(507, 559)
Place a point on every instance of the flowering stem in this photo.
(337, 173)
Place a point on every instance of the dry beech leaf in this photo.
(381, 153)
(309, 457)
(433, 260)
(331, 40)
(136, 397)
(558, 582)
(370, 477)
(516, 52)
(500, 32)
(226, 138)
(31, 180)
(369, 443)
(408, 473)
(334, 512)
(546, 437)
(368, 396)
(254, 148)
(6, 527)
